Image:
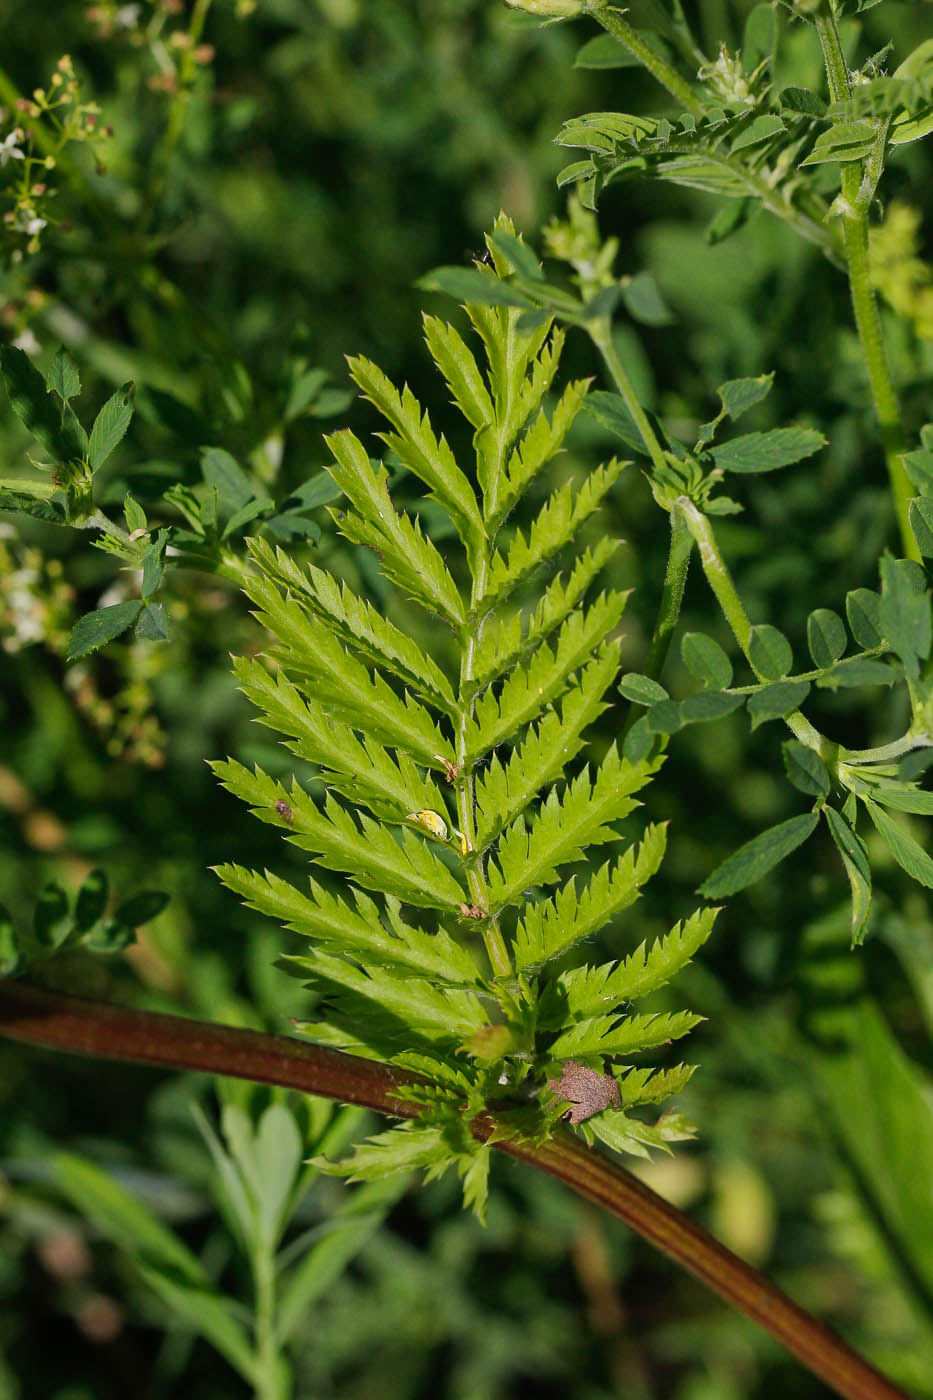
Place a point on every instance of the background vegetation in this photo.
(269, 194)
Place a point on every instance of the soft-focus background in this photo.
(332, 152)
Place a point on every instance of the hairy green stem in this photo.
(672, 596)
(37, 1017)
(600, 332)
(660, 70)
(268, 1371)
(864, 302)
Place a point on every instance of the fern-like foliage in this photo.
(452, 808)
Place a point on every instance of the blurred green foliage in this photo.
(263, 207)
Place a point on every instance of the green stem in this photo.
(662, 72)
(600, 332)
(187, 69)
(864, 301)
(720, 581)
(37, 1017)
(672, 595)
(268, 1375)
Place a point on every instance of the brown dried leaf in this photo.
(588, 1090)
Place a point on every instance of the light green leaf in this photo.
(844, 141)
(357, 623)
(526, 692)
(585, 992)
(757, 857)
(565, 825)
(504, 790)
(409, 559)
(63, 377)
(641, 690)
(419, 449)
(863, 609)
(551, 926)
(365, 849)
(626, 1035)
(204, 1311)
(920, 515)
(353, 928)
(458, 365)
(473, 286)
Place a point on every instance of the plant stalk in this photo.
(600, 332)
(864, 301)
(672, 596)
(34, 1016)
(661, 71)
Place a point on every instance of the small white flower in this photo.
(27, 222)
(127, 17)
(9, 147)
(26, 340)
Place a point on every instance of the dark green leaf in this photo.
(141, 907)
(766, 452)
(63, 378)
(610, 410)
(517, 253)
(803, 100)
(134, 514)
(753, 860)
(10, 956)
(776, 701)
(805, 769)
(760, 129)
(110, 425)
(919, 467)
(638, 741)
(95, 629)
(52, 917)
(909, 855)
(920, 515)
(739, 395)
(248, 512)
(732, 214)
(472, 285)
(642, 690)
(826, 636)
(92, 900)
(844, 141)
(225, 473)
(318, 490)
(855, 861)
(863, 609)
(706, 661)
(904, 613)
(30, 400)
(152, 625)
(709, 705)
(644, 302)
(770, 653)
(902, 797)
(857, 670)
(50, 511)
(665, 717)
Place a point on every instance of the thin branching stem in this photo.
(612, 21)
(34, 1016)
(864, 301)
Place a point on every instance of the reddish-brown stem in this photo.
(38, 1017)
